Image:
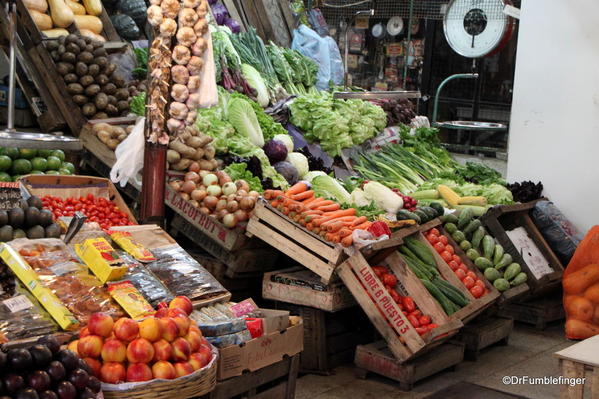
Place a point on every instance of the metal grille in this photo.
(422, 9)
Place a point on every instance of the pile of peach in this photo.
(166, 346)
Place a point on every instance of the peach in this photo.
(113, 373)
(84, 332)
(90, 346)
(72, 346)
(137, 372)
(194, 327)
(160, 313)
(140, 351)
(164, 370)
(183, 368)
(126, 329)
(150, 329)
(100, 324)
(206, 354)
(195, 340)
(94, 364)
(162, 350)
(181, 350)
(205, 342)
(170, 331)
(182, 302)
(183, 323)
(196, 360)
(174, 312)
(114, 351)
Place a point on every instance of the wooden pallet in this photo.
(293, 240)
(275, 381)
(377, 358)
(484, 333)
(333, 297)
(503, 218)
(330, 339)
(579, 361)
(538, 312)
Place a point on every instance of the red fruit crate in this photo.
(403, 339)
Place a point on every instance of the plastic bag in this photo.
(560, 233)
(336, 62)
(581, 289)
(145, 281)
(318, 22)
(130, 156)
(310, 44)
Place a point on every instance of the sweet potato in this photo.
(577, 282)
(580, 308)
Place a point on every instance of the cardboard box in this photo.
(261, 352)
(102, 259)
(274, 320)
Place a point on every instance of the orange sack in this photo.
(581, 289)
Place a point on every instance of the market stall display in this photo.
(15, 162)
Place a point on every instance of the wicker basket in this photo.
(193, 385)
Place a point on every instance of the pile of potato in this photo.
(89, 76)
(191, 150)
(111, 135)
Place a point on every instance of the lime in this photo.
(54, 163)
(39, 163)
(27, 153)
(58, 154)
(64, 172)
(5, 176)
(5, 162)
(68, 166)
(12, 152)
(36, 172)
(52, 172)
(21, 167)
(44, 153)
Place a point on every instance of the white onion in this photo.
(214, 190)
(210, 179)
(229, 188)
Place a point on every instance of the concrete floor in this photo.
(530, 352)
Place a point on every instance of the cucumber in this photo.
(445, 303)
(501, 284)
(519, 279)
(488, 247)
(451, 292)
(407, 215)
(450, 228)
(418, 271)
(492, 274)
(512, 271)
(450, 218)
(429, 211)
(472, 254)
(421, 251)
(465, 245)
(464, 218)
(458, 236)
(438, 208)
(425, 194)
(472, 226)
(506, 259)
(498, 254)
(482, 263)
(422, 215)
(477, 237)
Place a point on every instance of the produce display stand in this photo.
(402, 338)
(331, 298)
(309, 249)
(275, 381)
(481, 334)
(377, 358)
(500, 219)
(580, 361)
(538, 312)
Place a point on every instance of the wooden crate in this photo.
(481, 334)
(275, 381)
(332, 297)
(295, 241)
(579, 363)
(538, 312)
(402, 338)
(330, 339)
(500, 219)
(507, 296)
(377, 358)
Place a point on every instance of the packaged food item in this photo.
(217, 320)
(124, 240)
(222, 341)
(102, 259)
(145, 281)
(130, 299)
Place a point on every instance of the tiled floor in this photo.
(530, 352)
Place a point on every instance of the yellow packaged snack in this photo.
(132, 247)
(130, 299)
(102, 259)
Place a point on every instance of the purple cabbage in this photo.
(288, 171)
(220, 13)
(233, 25)
(275, 150)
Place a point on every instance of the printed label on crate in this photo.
(10, 195)
(18, 303)
(531, 254)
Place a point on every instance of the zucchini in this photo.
(451, 292)
(407, 215)
(421, 251)
(477, 237)
(488, 247)
(512, 271)
(425, 194)
(429, 211)
(458, 236)
(472, 226)
(482, 263)
(498, 254)
(445, 303)
(420, 273)
(477, 211)
(501, 284)
(450, 228)
(472, 254)
(506, 259)
(519, 279)
(438, 207)
(450, 218)
(492, 274)
(464, 218)
(409, 255)
(422, 215)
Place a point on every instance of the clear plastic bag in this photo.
(560, 233)
(145, 281)
(310, 44)
(129, 156)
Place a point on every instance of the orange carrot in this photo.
(336, 239)
(297, 188)
(329, 208)
(347, 241)
(336, 226)
(360, 220)
(363, 226)
(310, 213)
(343, 219)
(337, 215)
(309, 226)
(344, 232)
(274, 204)
(310, 200)
(285, 210)
(322, 202)
(302, 196)
(329, 236)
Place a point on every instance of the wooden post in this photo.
(153, 184)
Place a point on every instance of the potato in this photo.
(102, 80)
(63, 68)
(109, 69)
(118, 81)
(122, 105)
(118, 131)
(73, 48)
(86, 57)
(93, 70)
(102, 126)
(101, 61)
(88, 40)
(51, 45)
(71, 78)
(104, 136)
(55, 56)
(88, 109)
(86, 80)
(122, 94)
(88, 47)
(81, 69)
(100, 115)
(129, 129)
(112, 100)
(101, 101)
(74, 88)
(71, 38)
(92, 90)
(172, 156)
(111, 110)
(61, 49)
(81, 44)
(80, 99)
(68, 57)
(100, 52)
(112, 144)
(109, 88)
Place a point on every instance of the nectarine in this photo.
(164, 370)
(126, 329)
(140, 351)
(114, 351)
(90, 346)
(150, 329)
(113, 373)
(182, 302)
(100, 324)
(137, 372)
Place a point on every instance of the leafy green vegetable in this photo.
(138, 104)
(141, 54)
(369, 211)
(328, 187)
(477, 172)
(243, 118)
(270, 128)
(238, 171)
(252, 76)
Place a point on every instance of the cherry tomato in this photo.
(424, 320)
(449, 249)
(468, 282)
(460, 273)
(443, 239)
(470, 273)
(446, 256)
(434, 232)
(439, 247)
(453, 265)
(477, 291)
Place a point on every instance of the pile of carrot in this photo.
(321, 216)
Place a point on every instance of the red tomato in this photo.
(389, 279)
(432, 239)
(439, 247)
(443, 239)
(456, 258)
(416, 313)
(446, 256)
(432, 325)
(480, 284)
(464, 268)
(477, 291)
(460, 273)
(422, 330)
(379, 270)
(434, 232)
(408, 303)
(413, 321)
(424, 320)
(470, 273)
(453, 265)
(449, 249)
(468, 282)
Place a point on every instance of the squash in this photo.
(42, 21)
(77, 8)
(125, 26)
(92, 35)
(55, 33)
(89, 22)
(37, 5)
(93, 7)
(136, 9)
(61, 14)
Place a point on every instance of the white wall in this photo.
(554, 129)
